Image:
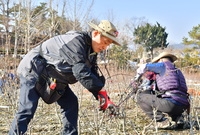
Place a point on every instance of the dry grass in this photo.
(91, 121)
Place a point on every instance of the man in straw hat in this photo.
(168, 96)
(65, 59)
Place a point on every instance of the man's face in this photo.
(100, 42)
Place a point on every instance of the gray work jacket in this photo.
(68, 53)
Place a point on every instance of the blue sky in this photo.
(178, 16)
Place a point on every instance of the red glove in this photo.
(106, 103)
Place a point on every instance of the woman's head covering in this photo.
(164, 55)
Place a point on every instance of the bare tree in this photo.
(78, 12)
(32, 25)
(5, 19)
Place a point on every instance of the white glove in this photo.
(146, 85)
(140, 71)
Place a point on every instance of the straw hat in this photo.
(164, 55)
(107, 29)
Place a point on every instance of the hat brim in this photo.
(114, 39)
(156, 59)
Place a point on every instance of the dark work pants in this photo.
(148, 102)
(28, 102)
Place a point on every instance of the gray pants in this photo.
(28, 102)
(148, 102)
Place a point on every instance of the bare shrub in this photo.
(131, 121)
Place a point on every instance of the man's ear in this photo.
(95, 33)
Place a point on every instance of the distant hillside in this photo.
(171, 46)
(181, 46)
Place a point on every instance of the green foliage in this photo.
(190, 58)
(120, 55)
(42, 8)
(151, 37)
(194, 34)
